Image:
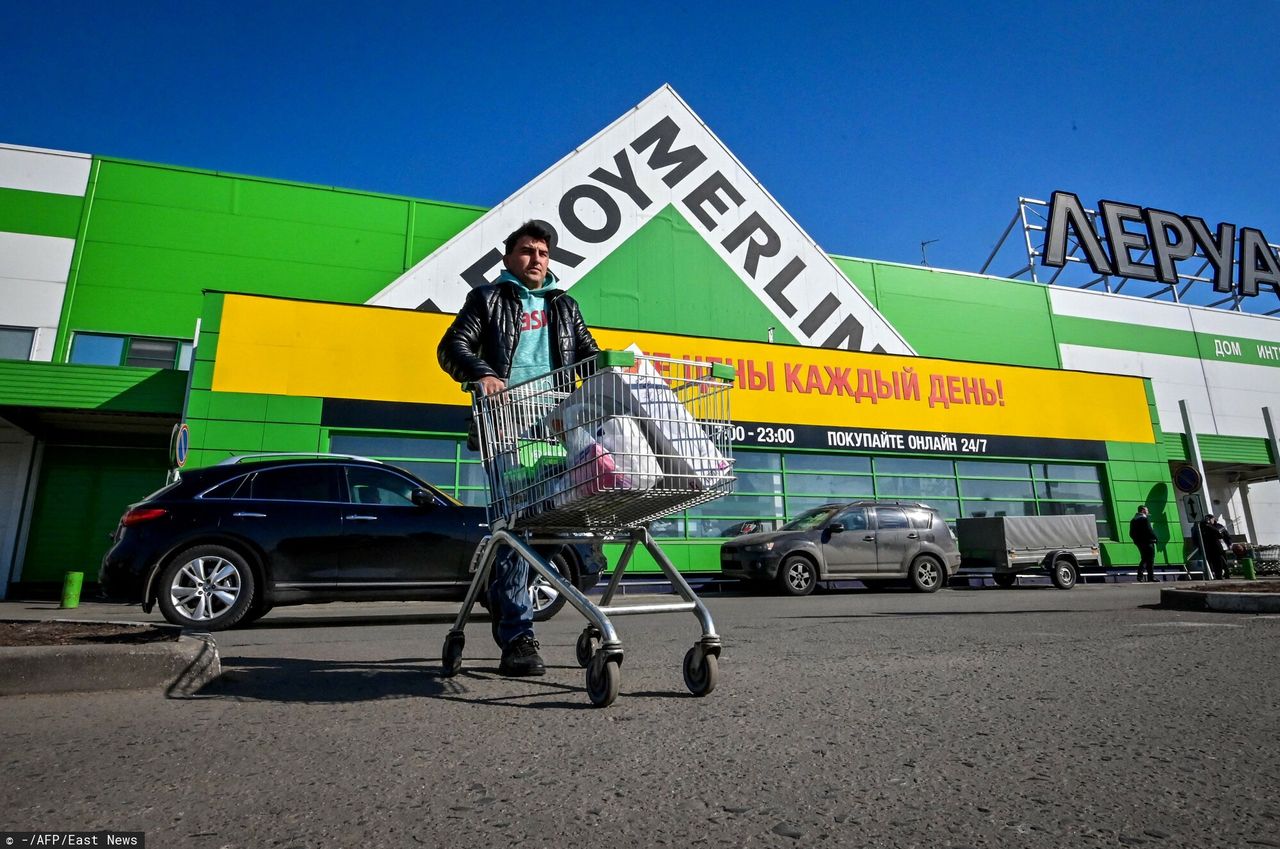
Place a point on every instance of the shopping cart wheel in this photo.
(701, 670)
(603, 678)
(587, 645)
(451, 654)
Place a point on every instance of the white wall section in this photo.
(34, 269)
(33, 169)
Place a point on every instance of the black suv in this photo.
(223, 545)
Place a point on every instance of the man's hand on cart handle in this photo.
(489, 384)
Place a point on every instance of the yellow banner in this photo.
(282, 347)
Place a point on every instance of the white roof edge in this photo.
(45, 150)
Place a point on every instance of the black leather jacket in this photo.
(481, 342)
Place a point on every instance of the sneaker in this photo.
(521, 658)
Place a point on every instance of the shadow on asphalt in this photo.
(272, 621)
(302, 681)
(899, 614)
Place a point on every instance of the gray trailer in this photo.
(1007, 546)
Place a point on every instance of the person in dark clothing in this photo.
(1144, 537)
(1216, 541)
(508, 332)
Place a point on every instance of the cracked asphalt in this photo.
(970, 718)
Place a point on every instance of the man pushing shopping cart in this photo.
(512, 331)
(576, 441)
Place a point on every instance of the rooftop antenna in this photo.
(924, 260)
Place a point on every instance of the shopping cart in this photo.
(601, 449)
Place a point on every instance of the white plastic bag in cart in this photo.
(622, 437)
(612, 456)
(686, 454)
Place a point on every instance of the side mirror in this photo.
(836, 527)
(422, 498)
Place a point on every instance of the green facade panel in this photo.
(967, 317)
(281, 408)
(157, 237)
(291, 437)
(76, 387)
(80, 496)
(237, 406)
(1235, 449)
(1073, 330)
(39, 214)
(236, 437)
(861, 274)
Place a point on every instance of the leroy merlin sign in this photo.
(659, 155)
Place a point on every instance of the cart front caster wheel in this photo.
(586, 646)
(701, 671)
(603, 679)
(451, 654)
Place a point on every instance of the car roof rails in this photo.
(236, 459)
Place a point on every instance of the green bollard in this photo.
(71, 583)
(1247, 569)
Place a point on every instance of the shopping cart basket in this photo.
(601, 449)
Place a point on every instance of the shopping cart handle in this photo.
(627, 360)
(615, 359)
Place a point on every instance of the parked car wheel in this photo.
(255, 613)
(209, 587)
(1005, 580)
(1064, 573)
(926, 574)
(547, 600)
(797, 575)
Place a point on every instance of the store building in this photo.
(274, 316)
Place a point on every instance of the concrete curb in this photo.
(181, 667)
(1220, 602)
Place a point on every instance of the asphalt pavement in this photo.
(1029, 717)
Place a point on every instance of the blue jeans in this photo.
(509, 601)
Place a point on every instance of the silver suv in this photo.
(873, 541)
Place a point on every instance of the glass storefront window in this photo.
(977, 509)
(828, 463)
(759, 482)
(948, 510)
(745, 506)
(914, 466)
(1060, 471)
(418, 447)
(672, 526)
(980, 488)
(437, 474)
(895, 487)
(835, 486)
(764, 461)
(773, 486)
(1069, 489)
(992, 469)
(798, 504)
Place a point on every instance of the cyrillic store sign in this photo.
(1240, 256)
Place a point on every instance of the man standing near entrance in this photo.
(1144, 537)
(511, 331)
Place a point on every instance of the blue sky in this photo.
(877, 126)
